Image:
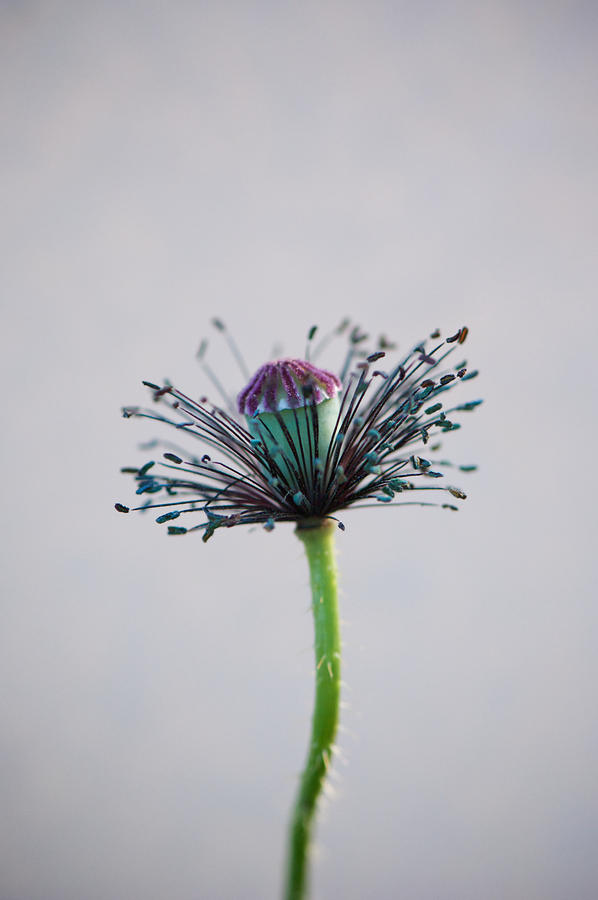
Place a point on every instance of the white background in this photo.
(413, 166)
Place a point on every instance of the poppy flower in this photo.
(302, 442)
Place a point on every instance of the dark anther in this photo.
(219, 324)
(374, 356)
(428, 383)
(459, 336)
(119, 507)
(435, 334)
(149, 384)
(173, 457)
(357, 336)
(311, 333)
(166, 517)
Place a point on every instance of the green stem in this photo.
(318, 539)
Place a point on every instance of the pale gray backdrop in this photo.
(412, 165)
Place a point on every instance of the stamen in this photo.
(308, 448)
(212, 376)
(219, 324)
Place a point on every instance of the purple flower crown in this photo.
(282, 384)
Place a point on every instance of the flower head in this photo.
(304, 443)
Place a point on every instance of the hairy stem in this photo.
(318, 539)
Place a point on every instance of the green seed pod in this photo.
(292, 408)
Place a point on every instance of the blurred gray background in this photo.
(413, 166)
